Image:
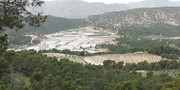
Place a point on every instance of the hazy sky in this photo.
(118, 1)
(112, 1)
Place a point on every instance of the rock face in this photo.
(80, 9)
(137, 17)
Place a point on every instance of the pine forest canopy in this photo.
(14, 15)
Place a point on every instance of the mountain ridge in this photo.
(142, 16)
(78, 9)
(146, 20)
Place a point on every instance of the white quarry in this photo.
(76, 40)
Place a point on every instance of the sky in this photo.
(114, 1)
(118, 1)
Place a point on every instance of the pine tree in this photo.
(15, 15)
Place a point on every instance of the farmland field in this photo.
(98, 60)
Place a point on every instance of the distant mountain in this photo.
(152, 3)
(78, 9)
(151, 19)
(164, 19)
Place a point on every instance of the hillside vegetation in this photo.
(137, 25)
(164, 20)
(29, 70)
(53, 25)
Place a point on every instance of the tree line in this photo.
(29, 70)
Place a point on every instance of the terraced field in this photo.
(60, 56)
(98, 60)
(126, 58)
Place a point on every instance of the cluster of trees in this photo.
(66, 51)
(14, 15)
(165, 51)
(156, 29)
(78, 53)
(177, 43)
(131, 44)
(53, 25)
(17, 39)
(29, 70)
(3, 42)
(161, 65)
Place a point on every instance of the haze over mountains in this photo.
(153, 3)
(81, 9)
(149, 20)
(102, 15)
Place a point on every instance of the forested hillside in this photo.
(53, 25)
(163, 20)
(32, 70)
(144, 21)
(151, 30)
(28, 70)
